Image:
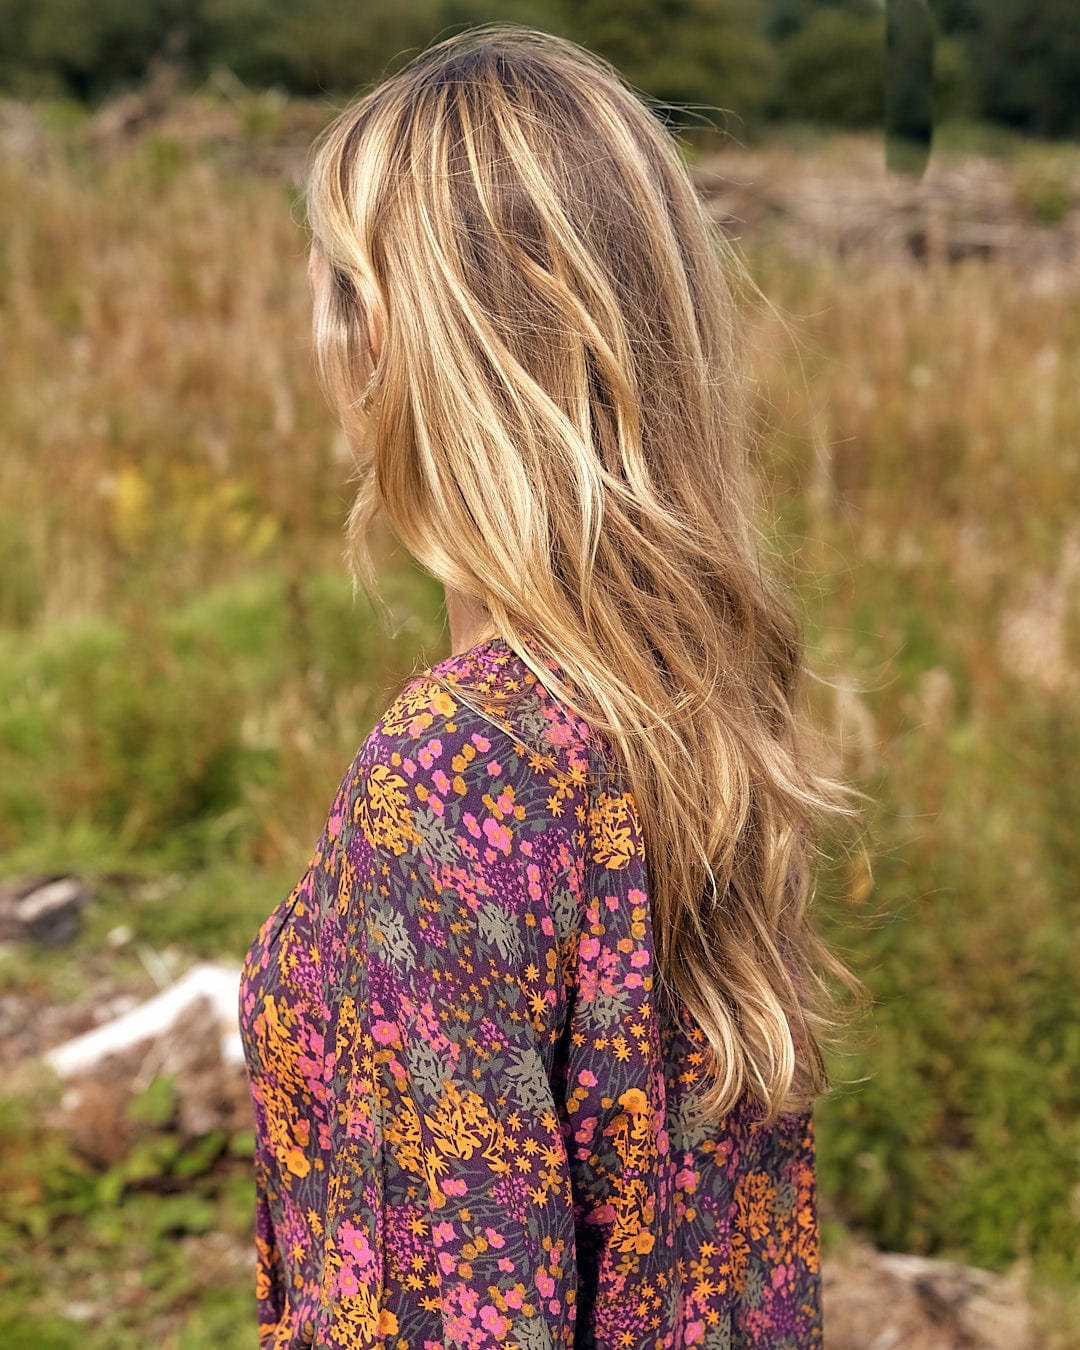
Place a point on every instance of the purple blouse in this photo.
(470, 1113)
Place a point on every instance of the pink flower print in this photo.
(470, 823)
(429, 753)
(409, 765)
(585, 1131)
(443, 1232)
(514, 1297)
(496, 1239)
(640, 958)
(587, 1078)
(779, 1276)
(457, 1329)
(532, 872)
(494, 768)
(498, 835)
(348, 1284)
(354, 1241)
(454, 1186)
(481, 742)
(493, 1320)
(441, 781)
(386, 1033)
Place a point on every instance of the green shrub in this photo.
(833, 70)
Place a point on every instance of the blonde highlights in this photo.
(556, 425)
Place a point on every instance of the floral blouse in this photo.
(470, 1115)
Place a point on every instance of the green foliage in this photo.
(156, 1104)
(1026, 58)
(909, 72)
(139, 727)
(343, 44)
(1046, 193)
(92, 47)
(68, 1228)
(713, 52)
(145, 738)
(784, 18)
(718, 56)
(953, 86)
(833, 69)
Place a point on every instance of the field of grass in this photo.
(184, 675)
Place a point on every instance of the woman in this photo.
(534, 1042)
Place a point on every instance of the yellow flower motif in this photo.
(610, 825)
(634, 1101)
(383, 811)
(295, 1161)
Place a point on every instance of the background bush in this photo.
(1015, 62)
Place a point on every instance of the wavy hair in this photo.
(557, 426)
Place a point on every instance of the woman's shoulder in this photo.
(481, 712)
(451, 794)
(451, 768)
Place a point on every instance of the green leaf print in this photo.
(390, 930)
(496, 927)
(531, 1086)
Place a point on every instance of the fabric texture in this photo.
(470, 1116)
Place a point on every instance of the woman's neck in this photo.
(469, 620)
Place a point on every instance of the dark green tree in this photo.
(1026, 64)
(833, 69)
(958, 16)
(712, 54)
(339, 45)
(784, 18)
(909, 80)
(89, 47)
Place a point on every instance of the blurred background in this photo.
(185, 674)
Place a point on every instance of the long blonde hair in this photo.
(556, 425)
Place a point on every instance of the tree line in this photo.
(739, 62)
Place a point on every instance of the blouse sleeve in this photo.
(745, 1269)
(448, 1196)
